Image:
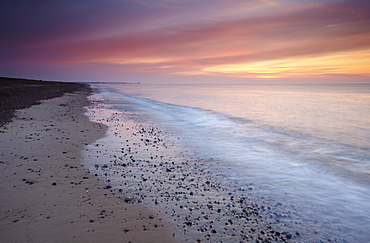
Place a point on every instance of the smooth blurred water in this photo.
(310, 143)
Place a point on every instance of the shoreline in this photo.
(46, 192)
(151, 165)
(108, 173)
(148, 157)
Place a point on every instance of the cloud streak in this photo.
(258, 40)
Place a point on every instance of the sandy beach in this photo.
(141, 121)
(75, 170)
(152, 165)
(46, 193)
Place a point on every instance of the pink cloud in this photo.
(184, 39)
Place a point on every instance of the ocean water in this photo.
(306, 146)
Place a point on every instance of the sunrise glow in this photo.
(126, 40)
(354, 63)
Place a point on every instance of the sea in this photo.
(302, 146)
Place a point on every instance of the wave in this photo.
(331, 179)
(201, 123)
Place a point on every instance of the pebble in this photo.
(184, 187)
(128, 199)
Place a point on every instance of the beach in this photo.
(83, 163)
(144, 121)
(63, 181)
(46, 193)
(151, 164)
(201, 155)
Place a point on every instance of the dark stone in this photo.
(128, 199)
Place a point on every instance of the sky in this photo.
(186, 40)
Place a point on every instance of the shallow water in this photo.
(302, 147)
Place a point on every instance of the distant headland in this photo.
(109, 82)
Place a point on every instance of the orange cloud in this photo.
(257, 39)
(352, 63)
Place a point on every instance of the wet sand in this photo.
(120, 178)
(147, 164)
(47, 195)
